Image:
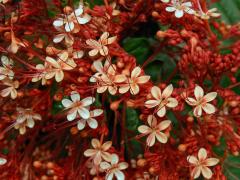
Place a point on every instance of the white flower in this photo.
(201, 102)
(6, 68)
(99, 151)
(161, 100)
(58, 66)
(154, 130)
(106, 77)
(114, 168)
(133, 81)
(179, 8)
(25, 119)
(11, 89)
(100, 46)
(90, 121)
(201, 164)
(77, 107)
(41, 74)
(70, 20)
(210, 13)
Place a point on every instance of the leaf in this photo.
(230, 10)
(139, 47)
(132, 119)
(231, 167)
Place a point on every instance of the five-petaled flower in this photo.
(99, 151)
(90, 121)
(132, 83)
(78, 108)
(179, 8)
(11, 88)
(201, 102)
(161, 100)
(114, 168)
(25, 119)
(69, 21)
(100, 46)
(106, 77)
(154, 130)
(201, 164)
(6, 68)
(58, 66)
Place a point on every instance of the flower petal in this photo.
(211, 161)
(3, 161)
(164, 125)
(105, 165)
(135, 72)
(198, 92)
(206, 172)
(151, 140)
(197, 111)
(167, 91)
(161, 112)
(202, 154)
(119, 175)
(161, 137)
(170, 9)
(81, 124)
(71, 116)
(142, 79)
(96, 112)
(123, 165)
(172, 103)
(192, 159)
(196, 172)
(178, 13)
(59, 22)
(69, 26)
(210, 96)
(144, 129)
(84, 113)
(87, 101)
(114, 159)
(75, 96)
(106, 145)
(92, 123)
(66, 103)
(151, 103)
(89, 152)
(156, 92)
(208, 108)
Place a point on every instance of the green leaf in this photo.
(231, 167)
(229, 9)
(139, 47)
(132, 119)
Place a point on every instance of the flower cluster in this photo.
(120, 90)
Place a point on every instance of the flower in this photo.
(25, 119)
(3, 161)
(106, 77)
(154, 130)
(90, 121)
(100, 46)
(70, 20)
(63, 63)
(99, 151)
(114, 168)
(201, 164)
(77, 107)
(180, 8)
(201, 102)
(6, 68)
(161, 100)
(133, 81)
(11, 89)
(210, 13)
(41, 74)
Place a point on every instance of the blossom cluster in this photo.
(78, 98)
